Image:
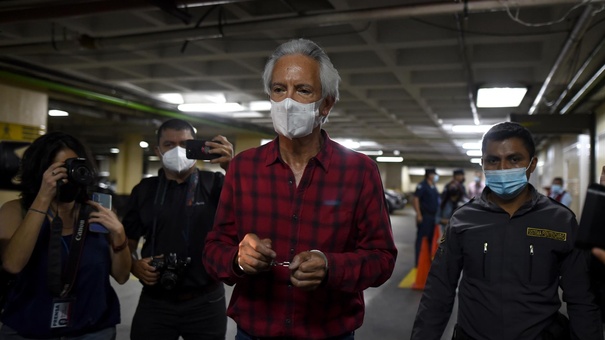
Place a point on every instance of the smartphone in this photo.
(591, 232)
(197, 149)
(105, 201)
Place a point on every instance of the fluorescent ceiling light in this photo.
(114, 150)
(211, 107)
(471, 128)
(471, 146)
(172, 98)
(474, 153)
(367, 143)
(371, 152)
(389, 159)
(349, 143)
(143, 144)
(260, 105)
(476, 160)
(153, 158)
(247, 114)
(500, 96)
(396, 152)
(58, 113)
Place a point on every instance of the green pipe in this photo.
(49, 85)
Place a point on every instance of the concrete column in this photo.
(392, 178)
(129, 164)
(23, 114)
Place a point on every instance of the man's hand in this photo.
(598, 252)
(254, 255)
(220, 145)
(144, 272)
(307, 270)
(418, 218)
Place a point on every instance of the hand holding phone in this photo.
(105, 201)
(197, 149)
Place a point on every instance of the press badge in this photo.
(61, 313)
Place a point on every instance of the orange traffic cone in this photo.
(424, 264)
(435, 241)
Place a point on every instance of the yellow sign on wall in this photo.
(19, 132)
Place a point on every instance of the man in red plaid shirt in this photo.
(302, 227)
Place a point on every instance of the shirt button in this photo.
(288, 321)
(290, 181)
(294, 217)
(291, 250)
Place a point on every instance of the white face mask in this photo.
(293, 119)
(176, 160)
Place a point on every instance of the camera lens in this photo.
(169, 280)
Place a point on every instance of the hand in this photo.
(220, 145)
(48, 187)
(307, 270)
(144, 272)
(418, 218)
(255, 255)
(106, 217)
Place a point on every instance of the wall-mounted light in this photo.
(114, 150)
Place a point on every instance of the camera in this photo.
(78, 172)
(170, 268)
(197, 149)
(79, 176)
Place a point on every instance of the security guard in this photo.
(516, 248)
(426, 204)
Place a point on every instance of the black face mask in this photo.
(68, 192)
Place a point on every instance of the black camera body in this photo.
(170, 268)
(79, 177)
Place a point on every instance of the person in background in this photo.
(45, 233)
(458, 179)
(514, 248)
(426, 205)
(598, 252)
(302, 227)
(452, 200)
(558, 193)
(174, 211)
(475, 188)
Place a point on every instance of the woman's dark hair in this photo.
(507, 130)
(39, 156)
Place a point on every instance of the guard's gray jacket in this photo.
(512, 269)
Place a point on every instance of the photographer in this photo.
(37, 244)
(173, 212)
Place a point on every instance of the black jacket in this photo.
(512, 268)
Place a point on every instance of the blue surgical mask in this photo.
(556, 189)
(506, 184)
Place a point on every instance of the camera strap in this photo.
(60, 282)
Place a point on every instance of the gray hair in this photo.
(328, 75)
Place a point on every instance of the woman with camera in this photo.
(61, 268)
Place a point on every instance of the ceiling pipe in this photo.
(575, 36)
(129, 104)
(577, 76)
(468, 70)
(590, 84)
(247, 27)
(65, 10)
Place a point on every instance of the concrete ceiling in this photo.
(410, 69)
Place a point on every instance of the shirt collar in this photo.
(323, 157)
(534, 198)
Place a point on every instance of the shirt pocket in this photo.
(478, 252)
(333, 229)
(541, 265)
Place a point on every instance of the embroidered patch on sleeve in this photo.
(555, 235)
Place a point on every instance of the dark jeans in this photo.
(241, 335)
(424, 229)
(201, 317)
